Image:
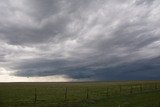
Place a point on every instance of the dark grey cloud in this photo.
(137, 70)
(82, 39)
(41, 9)
(144, 2)
(147, 69)
(20, 36)
(43, 21)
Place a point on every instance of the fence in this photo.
(109, 92)
(76, 93)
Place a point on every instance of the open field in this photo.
(87, 94)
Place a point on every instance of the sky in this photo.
(79, 40)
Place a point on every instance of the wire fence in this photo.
(66, 95)
(109, 92)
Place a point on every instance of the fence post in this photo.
(120, 89)
(155, 86)
(107, 91)
(35, 95)
(131, 90)
(87, 94)
(65, 94)
(141, 88)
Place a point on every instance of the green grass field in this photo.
(85, 94)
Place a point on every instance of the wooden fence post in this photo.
(155, 86)
(87, 94)
(35, 95)
(131, 90)
(120, 89)
(141, 88)
(107, 91)
(65, 94)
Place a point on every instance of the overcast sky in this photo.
(79, 40)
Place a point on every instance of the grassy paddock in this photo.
(82, 94)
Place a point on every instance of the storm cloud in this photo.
(81, 39)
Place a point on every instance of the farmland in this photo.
(81, 94)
